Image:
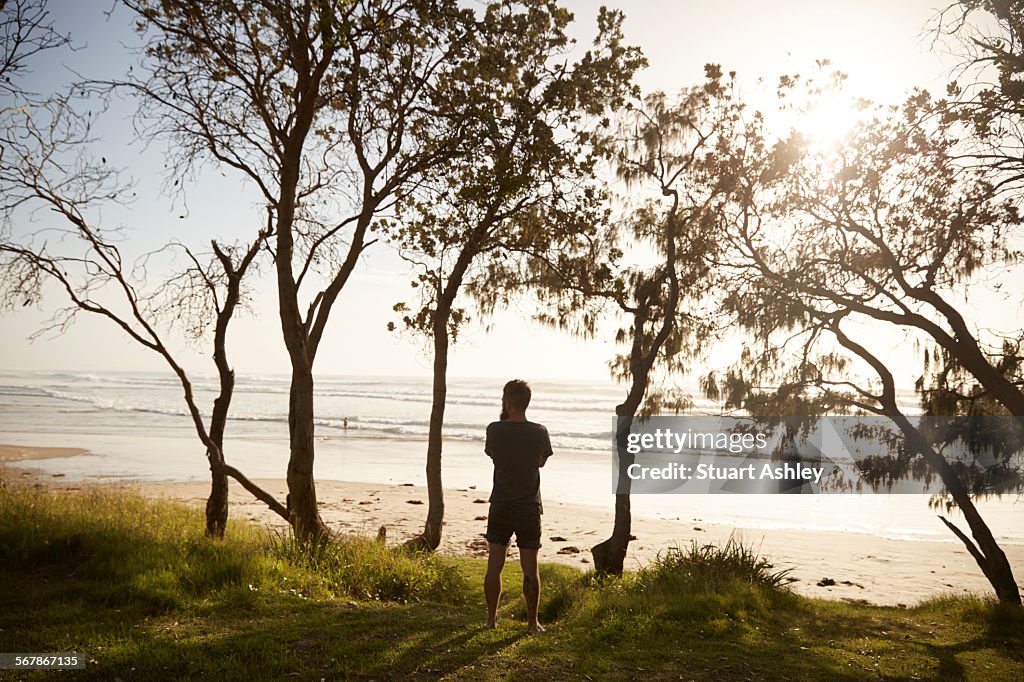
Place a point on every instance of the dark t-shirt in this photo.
(519, 450)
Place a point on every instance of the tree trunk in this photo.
(217, 502)
(303, 512)
(987, 553)
(431, 536)
(985, 550)
(301, 503)
(610, 555)
(989, 557)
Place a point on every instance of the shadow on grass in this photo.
(156, 604)
(747, 632)
(311, 642)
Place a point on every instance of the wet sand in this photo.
(19, 453)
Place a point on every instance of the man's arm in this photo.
(487, 443)
(545, 448)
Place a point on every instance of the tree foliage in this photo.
(522, 183)
(676, 156)
(833, 246)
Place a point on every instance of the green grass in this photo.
(134, 586)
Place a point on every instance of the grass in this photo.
(134, 586)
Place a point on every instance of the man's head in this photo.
(515, 398)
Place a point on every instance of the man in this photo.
(519, 449)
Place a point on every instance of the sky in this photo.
(881, 45)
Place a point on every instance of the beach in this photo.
(834, 565)
(17, 453)
(69, 430)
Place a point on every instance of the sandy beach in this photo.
(18, 453)
(834, 565)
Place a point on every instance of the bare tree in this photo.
(45, 170)
(47, 176)
(26, 31)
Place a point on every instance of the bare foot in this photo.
(491, 626)
(535, 627)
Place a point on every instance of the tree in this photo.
(522, 183)
(47, 171)
(26, 30)
(44, 164)
(876, 233)
(984, 105)
(202, 294)
(672, 151)
(988, 96)
(327, 108)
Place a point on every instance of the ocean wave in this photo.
(22, 391)
(570, 398)
(389, 407)
(470, 431)
(104, 403)
(461, 431)
(425, 395)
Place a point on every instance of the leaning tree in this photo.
(831, 249)
(984, 105)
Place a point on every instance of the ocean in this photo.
(136, 428)
(577, 414)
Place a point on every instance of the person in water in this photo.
(518, 448)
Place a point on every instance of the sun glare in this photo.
(828, 121)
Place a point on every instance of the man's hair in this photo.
(517, 392)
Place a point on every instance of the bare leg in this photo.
(492, 581)
(531, 587)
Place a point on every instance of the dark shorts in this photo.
(521, 518)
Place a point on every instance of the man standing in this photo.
(519, 448)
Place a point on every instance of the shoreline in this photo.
(22, 453)
(857, 567)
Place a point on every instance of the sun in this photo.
(826, 122)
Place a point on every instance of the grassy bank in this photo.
(135, 587)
